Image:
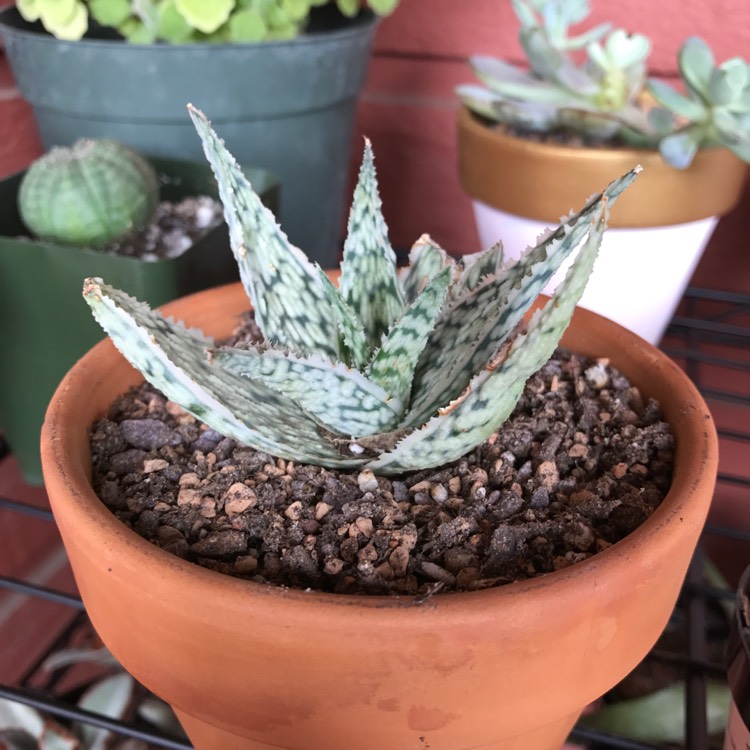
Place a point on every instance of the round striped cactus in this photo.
(390, 371)
(91, 193)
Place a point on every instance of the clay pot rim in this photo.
(65, 466)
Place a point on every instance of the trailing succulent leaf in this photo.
(608, 96)
(660, 717)
(714, 111)
(411, 382)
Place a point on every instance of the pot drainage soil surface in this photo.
(581, 463)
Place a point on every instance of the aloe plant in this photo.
(608, 95)
(186, 21)
(389, 371)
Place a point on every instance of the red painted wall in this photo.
(408, 108)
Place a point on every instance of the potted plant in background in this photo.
(534, 142)
(282, 76)
(359, 378)
(57, 226)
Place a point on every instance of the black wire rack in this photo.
(710, 338)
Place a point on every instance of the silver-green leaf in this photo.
(492, 394)
(478, 322)
(369, 282)
(283, 285)
(341, 398)
(174, 360)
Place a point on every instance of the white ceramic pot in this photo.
(640, 274)
(658, 227)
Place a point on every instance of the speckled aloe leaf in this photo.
(426, 259)
(25, 728)
(290, 305)
(369, 282)
(493, 393)
(248, 411)
(342, 398)
(355, 350)
(477, 267)
(477, 323)
(393, 365)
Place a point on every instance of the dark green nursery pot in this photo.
(286, 106)
(46, 326)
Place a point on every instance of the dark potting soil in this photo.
(173, 228)
(558, 136)
(581, 463)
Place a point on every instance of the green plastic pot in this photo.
(284, 106)
(46, 326)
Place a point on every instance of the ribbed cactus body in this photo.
(91, 193)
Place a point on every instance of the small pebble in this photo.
(367, 481)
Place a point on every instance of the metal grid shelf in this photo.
(710, 337)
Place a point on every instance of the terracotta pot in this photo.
(660, 225)
(251, 667)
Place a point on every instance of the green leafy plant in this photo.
(390, 372)
(608, 95)
(91, 193)
(185, 21)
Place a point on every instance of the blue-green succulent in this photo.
(390, 370)
(608, 95)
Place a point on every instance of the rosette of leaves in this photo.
(596, 97)
(388, 371)
(186, 21)
(713, 111)
(608, 96)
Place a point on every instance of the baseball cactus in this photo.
(91, 193)
(390, 371)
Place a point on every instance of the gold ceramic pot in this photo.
(255, 667)
(659, 226)
(543, 181)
